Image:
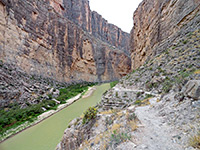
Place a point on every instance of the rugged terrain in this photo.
(157, 106)
(158, 23)
(48, 43)
(48, 51)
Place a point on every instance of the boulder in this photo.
(192, 89)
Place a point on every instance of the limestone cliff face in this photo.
(51, 38)
(79, 12)
(157, 23)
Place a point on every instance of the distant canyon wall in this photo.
(62, 40)
(79, 12)
(157, 23)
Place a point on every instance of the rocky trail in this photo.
(154, 133)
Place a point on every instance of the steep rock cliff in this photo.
(158, 23)
(37, 37)
(79, 12)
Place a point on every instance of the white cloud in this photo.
(118, 12)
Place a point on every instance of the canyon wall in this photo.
(62, 40)
(157, 23)
(79, 12)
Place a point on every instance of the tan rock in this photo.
(157, 23)
(45, 41)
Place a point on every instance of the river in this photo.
(47, 134)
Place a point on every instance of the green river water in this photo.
(47, 134)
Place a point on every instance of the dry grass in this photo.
(133, 125)
(115, 127)
(108, 112)
(197, 72)
(96, 125)
(119, 114)
(195, 141)
(97, 140)
(145, 102)
(158, 100)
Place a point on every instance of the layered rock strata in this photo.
(158, 23)
(43, 38)
(79, 12)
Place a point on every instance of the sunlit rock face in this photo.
(63, 40)
(157, 23)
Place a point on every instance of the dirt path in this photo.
(154, 133)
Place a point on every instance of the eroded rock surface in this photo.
(192, 89)
(52, 39)
(158, 23)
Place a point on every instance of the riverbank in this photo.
(48, 133)
(89, 92)
(45, 115)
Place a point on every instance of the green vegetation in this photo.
(1, 63)
(138, 102)
(116, 95)
(174, 47)
(132, 117)
(148, 96)
(89, 114)
(13, 116)
(152, 85)
(167, 85)
(145, 100)
(71, 91)
(16, 116)
(117, 138)
(138, 94)
(178, 79)
(185, 42)
(133, 71)
(112, 84)
(167, 52)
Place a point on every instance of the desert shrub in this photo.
(109, 121)
(138, 102)
(167, 85)
(152, 85)
(117, 138)
(148, 96)
(138, 94)
(89, 114)
(132, 117)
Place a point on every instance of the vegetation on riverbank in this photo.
(14, 116)
(112, 84)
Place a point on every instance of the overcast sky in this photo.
(118, 12)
